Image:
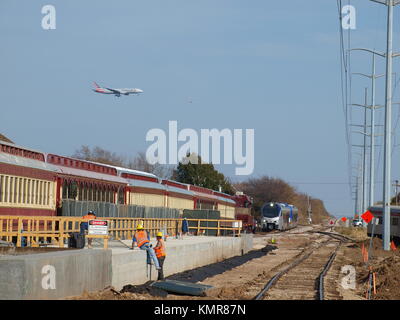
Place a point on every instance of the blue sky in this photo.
(269, 66)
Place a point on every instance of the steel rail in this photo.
(321, 292)
(277, 276)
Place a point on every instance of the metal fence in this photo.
(73, 208)
(34, 231)
(207, 215)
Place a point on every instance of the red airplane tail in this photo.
(96, 85)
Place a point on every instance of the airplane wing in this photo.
(115, 90)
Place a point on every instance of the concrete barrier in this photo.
(54, 275)
(129, 267)
(65, 273)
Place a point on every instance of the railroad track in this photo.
(304, 279)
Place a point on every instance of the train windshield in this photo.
(271, 210)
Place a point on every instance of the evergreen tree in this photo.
(202, 175)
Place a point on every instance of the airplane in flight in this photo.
(116, 92)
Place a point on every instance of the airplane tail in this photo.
(96, 85)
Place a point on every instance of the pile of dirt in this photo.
(387, 279)
(384, 263)
(129, 292)
(144, 289)
(227, 293)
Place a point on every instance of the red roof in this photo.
(80, 164)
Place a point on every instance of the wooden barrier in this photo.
(33, 231)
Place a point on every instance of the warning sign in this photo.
(98, 227)
(367, 216)
(344, 219)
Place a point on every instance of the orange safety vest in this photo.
(141, 238)
(89, 217)
(159, 249)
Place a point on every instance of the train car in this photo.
(35, 183)
(394, 221)
(178, 195)
(82, 180)
(243, 211)
(226, 205)
(243, 201)
(279, 216)
(27, 183)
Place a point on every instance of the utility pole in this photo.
(309, 209)
(388, 119)
(388, 124)
(373, 77)
(364, 154)
(357, 205)
(395, 190)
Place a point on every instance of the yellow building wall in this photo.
(179, 203)
(146, 199)
(227, 212)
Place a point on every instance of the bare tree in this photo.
(4, 138)
(98, 154)
(267, 189)
(140, 163)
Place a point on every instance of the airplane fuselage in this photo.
(117, 92)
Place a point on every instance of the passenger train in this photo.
(36, 183)
(394, 221)
(279, 216)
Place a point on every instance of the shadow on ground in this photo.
(202, 273)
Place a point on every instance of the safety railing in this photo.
(220, 227)
(34, 231)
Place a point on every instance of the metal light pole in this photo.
(388, 128)
(388, 122)
(373, 77)
(364, 154)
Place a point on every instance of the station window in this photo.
(395, 221)
(120, 196)
(21, 190)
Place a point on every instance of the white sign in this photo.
(98, 227)
(237, 224)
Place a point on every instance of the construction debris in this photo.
(181, 287)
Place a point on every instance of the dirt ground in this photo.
(384, 263)
(242, 277)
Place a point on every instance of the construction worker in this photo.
(91, 215)
(185, 227)
(159, 249)
(142, 239)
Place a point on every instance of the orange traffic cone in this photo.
(393, 246)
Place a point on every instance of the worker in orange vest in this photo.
(142, 239)
(91, 215)
(159, 249)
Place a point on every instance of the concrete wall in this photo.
(129, 267)
(54, 275)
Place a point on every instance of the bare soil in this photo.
(244, 276)
(240, 277)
